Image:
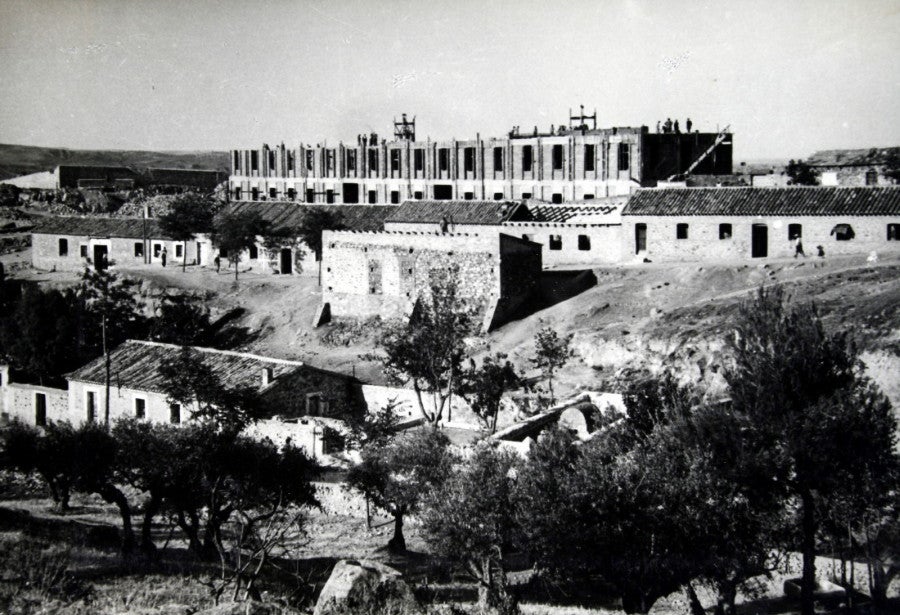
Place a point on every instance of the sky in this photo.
(789, 78)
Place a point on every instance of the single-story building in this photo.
(70, 243)
(877, 166)
(711, 224)
(384, 274)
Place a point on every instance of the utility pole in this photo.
(106, 356)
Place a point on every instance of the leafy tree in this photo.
(9, 195)
(471, 520)
(188, 380)
(829, 432)
(181, 320)
(50, 453)
(551, 352)
(107, 308)
(315, 220)
(373, 428)
(397, 474)
(483, 387)
(652, 400)
(236, 232)
(801, 174)
(189, 214)
(428, 350)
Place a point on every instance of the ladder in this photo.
(723, 134)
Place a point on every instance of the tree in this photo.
(189, 214)
(828, 431)
(188, 380)
(483, 387)
(315, 220)
(9, 195)
(551, 352)
(181, 320)
(50, 453)
(397, 474)
(236, 232)
(429, 349)
(801, 174)
(471, 520)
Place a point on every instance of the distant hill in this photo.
(18, 160)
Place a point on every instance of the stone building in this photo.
(587, 233)
(292, 256)
(30, 403)
(560, 166)
(70, 243)
(711, 224)
(857, 167)
(385, 273)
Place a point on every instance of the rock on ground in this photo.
(356, 584)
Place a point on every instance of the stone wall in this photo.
(19, 402)
(367, 274)
(45, 251)
(704, 242)
(853, 176)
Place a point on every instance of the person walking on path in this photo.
(218, 262)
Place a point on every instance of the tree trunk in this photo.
(192, 533)
(150, 511)
(113, 495)
(694, 601)
(635, 601)
(184, 257)
(397, 544)
(808, 547)
(727, 597)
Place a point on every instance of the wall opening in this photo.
(443, 192)
(254, 252)
(40, 409)
(590, 157)
(584, 242)
(893, 232)
(725, 231)
(555, 242)
(140, 408)
(795, 231)
(351, 193)
(90, 403)
(759, 241)
(681, 230)
(557, 157)
(373, 197)
(527, 158)
(286, 261)
(63, 246)
(843, 232)
(640, 238)
(175, 413)
(557, 198)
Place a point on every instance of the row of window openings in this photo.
(556, 154)
(63, 249)
(555, 242)
(841, 232)
(440, 193)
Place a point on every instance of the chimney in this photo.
(268, 375)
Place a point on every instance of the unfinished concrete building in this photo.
(566, 164)
(385, 273)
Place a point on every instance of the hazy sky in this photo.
(790, 77)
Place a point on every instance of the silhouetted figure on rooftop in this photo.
(688, 124)
(677, 129)
(667, 127)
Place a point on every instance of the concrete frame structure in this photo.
(560, 166)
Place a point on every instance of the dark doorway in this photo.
(640, 238)
(760, 241)
(351, 193)
(101, 256)
(443, 192)
(287, 260)
(91, 403)
(198, 253)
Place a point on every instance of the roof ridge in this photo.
(206, 349)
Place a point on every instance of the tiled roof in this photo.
(853, 157)
(574, 213)
(793, 201)
(136, 365)
(289, 215)
(460, 212)
(94, 226)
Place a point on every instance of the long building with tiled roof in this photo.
(711, 224)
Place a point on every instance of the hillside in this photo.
(18, 160)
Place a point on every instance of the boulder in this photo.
(357, 584)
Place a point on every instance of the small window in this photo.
(590, 157)
(82, 250)
(40, 409)
(351, 160)
(178, 250)
(526, 195)
(373, 197)
(63, 246)
(273, 193)
(681, 231)
(291, 194)
(556, 242)
(557, 198)
(329, 196)
(469, 159)
(498, 159)
(254, 252)
(271, 159)
(419, 160)
(871, 177)
(395, 196)
(418, 195)
(468, 196)
(557, 157)
(237, 194)
(893, 232)
(444, 159)
(527, 158)
(254, 161)
(588, 197)
(843, 232)
(140, 408)
(157, 250)
(310, 195)
(584, 242)
(175, 413)
(90, 403)
(373, 160)
(395, 161)
(498, 196)
(724, 231)
(254, 194)
(795, 231)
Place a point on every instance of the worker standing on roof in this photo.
(688, 124)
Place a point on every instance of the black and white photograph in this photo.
(495, 307)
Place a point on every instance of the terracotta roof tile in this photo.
(288, 215)
(94, 226)
(460, 212)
